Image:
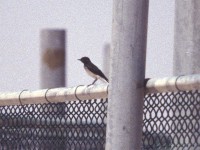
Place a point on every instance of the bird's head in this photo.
(85, 60)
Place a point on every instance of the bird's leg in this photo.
(93, 82)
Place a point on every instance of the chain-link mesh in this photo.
(171, 121)
(77, 125)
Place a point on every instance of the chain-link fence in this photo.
(77, 125)
(171, 121)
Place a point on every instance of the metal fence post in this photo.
(125, 104)
(52, 64)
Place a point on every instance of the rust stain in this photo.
(54, 58)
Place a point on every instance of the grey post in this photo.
(126, 91)
(187, 37)
(187, 44)
(52, 63)
(106, 59)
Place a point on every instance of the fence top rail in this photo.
(54, 95)
(168, 84)
(173, 84)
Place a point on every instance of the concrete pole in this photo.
(106, 59)
(52, 67)
(125, 105)
(187, 50)
(187, 37)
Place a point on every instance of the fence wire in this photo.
(77, 125)
(171, 121)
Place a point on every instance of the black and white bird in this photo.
(93, 70)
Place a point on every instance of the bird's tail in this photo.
(104, 79)
(107, 80)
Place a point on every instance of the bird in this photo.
(93, 70)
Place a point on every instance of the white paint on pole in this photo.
(52, 64)
(125, 105)
(106, 59)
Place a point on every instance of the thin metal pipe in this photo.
(173, 84)
(54, 95)
(157, 85)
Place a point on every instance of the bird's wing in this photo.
(96, 70)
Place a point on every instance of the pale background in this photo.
(88, 25)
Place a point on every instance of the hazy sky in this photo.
(88, 24)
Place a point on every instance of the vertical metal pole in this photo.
(106, 59)
(52, 71)
(187, 51)
(125, 105)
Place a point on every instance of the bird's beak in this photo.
(79, 59)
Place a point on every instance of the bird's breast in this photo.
(90, 73)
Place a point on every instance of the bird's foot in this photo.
(89, 85)
(92, 83)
